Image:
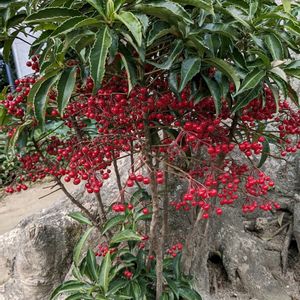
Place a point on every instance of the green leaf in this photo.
(265, 153)
(68, 25)
(79, 296)
(117, 285)
(293, 69)
(287, 5)
(136, 290)
(35, 88)
(14, 139)
(125, 235)
(252, 79)
(98, 5)
(158, 30)
(177, 48)
(293, 95)
(132, 23)
(206, 5)
(165, 10)
(67, 287)
(51, 14)
(189, 294)
(99, 54)
(275, 47)
(79, 246)
(129, 65)
(41, 99)
(215, 91)
(189, 68)
(7, 48)
(104, 272)
(65, 87)
(280, 73)
(225, 68)
(112, 222)
(244, 100)
(238, 15)
(78, 216)
(176, 266)
(92, 265)
(144, 21)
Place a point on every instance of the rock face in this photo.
(36, 255)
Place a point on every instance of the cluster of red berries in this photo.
(190, 129)
(128, 274)
(119, 207)
(34, 63)
(103, 249)
(175, 249)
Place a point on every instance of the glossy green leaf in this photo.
(67, 287)
(280, 73)
(158, 30)
(215, 91)
(125, 235)
(176, 49)
(79, 217)
(203, 4)
(68, 25)
(246, 98)
(40, 100)
(293, 95)
(98, 5)
(189, 294)
(105, 268)
(265, 153)
(65, 88)
(19, 129)
(132, 23)
(7, 49)
(79, 296)
(98, 55)
(78, 248)
(165, 10)
(252, 79)
(117, 285)
(225, 68)
(287, 5)
(130, 67)
(144, 20)
(293, 69)
(112, 222)
(275, 46)
(92, 265)
(189, 68)
(52, 14)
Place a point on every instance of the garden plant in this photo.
(196, 90)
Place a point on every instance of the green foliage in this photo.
(106, 279)
(250, 43)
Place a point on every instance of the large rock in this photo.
(37, 254)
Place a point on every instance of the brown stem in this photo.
(155, 238)
(101, 209)
(77, 203)
(131, 157)
(121, 190)
(63, 188)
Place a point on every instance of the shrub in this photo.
(183, 88)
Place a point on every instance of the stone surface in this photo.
(36, 255)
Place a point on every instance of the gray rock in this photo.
(37, 254)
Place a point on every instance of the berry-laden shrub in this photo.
(192, 89)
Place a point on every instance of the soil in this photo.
(15, 207)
